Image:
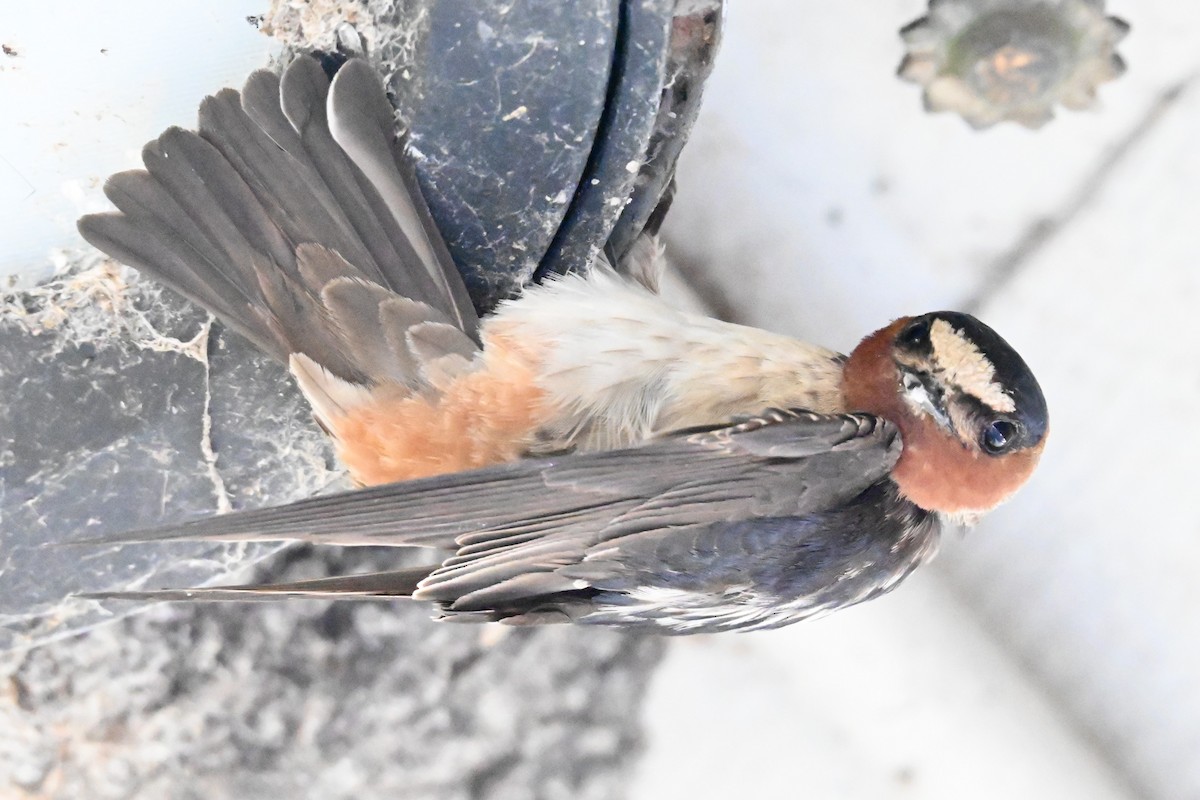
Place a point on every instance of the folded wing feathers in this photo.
(482, 511)
(365, 586)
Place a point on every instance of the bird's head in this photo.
(971, 414)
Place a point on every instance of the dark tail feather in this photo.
(362, 122)
(285, 183)
(303, 99)
(155, 251)
(367, 586)
(219, 215)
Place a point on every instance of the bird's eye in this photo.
(916, 335)
(999, 436)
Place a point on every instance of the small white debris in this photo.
(517, 113)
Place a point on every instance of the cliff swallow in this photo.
(585, 452)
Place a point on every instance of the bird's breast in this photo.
(584, 362)
(619, 364)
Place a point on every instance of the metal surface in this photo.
(542, 129)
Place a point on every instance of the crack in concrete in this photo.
(94, 304)
(206, 442)
(1003, 270)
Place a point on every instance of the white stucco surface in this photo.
(86, 86)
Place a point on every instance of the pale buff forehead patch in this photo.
(962, 363)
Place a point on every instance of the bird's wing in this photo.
(363, 586)
(518, 521)
(292, 214)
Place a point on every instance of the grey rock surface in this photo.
(125, 407)
(313, 699)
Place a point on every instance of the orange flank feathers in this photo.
(484, 417)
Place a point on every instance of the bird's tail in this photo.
(292, 215)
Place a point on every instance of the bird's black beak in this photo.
(925, 395)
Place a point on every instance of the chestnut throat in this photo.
(936, 470)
